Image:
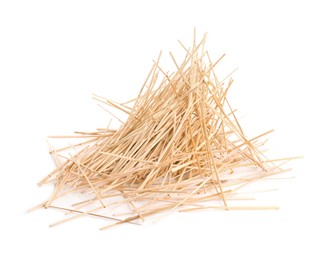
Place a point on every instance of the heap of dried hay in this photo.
(178, 149)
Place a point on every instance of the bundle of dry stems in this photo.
(181, 148)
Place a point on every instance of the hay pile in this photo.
(180, 149)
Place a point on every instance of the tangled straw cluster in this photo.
(180, 148)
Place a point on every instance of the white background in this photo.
(55, 54)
